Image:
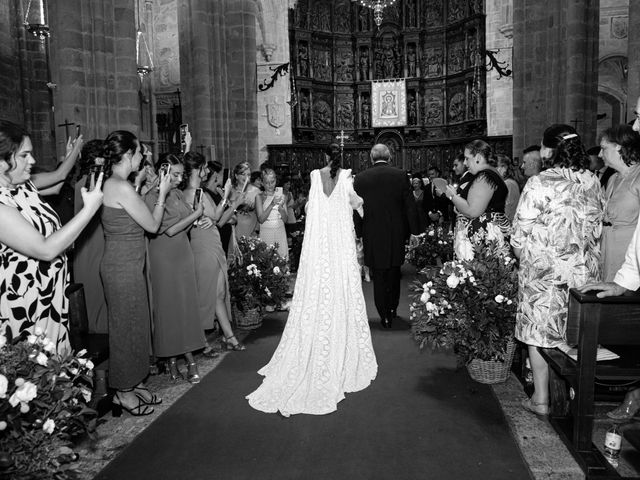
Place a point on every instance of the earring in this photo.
(477, 161)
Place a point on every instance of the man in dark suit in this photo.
(435, 205)
(597, 166)
(389, 217)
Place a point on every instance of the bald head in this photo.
(380, 152)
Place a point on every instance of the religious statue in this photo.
(365, 118)
(342, 17)
(303, 60)
(433, 13)
(345, 115)
(457, 108)
(412, 110)
(301, 15)
(389, 62)
(321, 115)
(410, 8)
(304, 110)
(411, 60)
(364, 65)
(432, 62)
(363, 19)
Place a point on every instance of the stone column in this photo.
(555, 60)
(633, 78)
(218, 76)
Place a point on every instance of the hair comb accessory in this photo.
(570, 135)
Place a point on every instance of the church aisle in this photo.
(419, 419)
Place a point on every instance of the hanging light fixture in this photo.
(377, 6)
(143, 54)
(35, 19)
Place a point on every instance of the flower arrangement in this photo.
(259, 276)
(43, 407)
(468, 306)
(433, 246)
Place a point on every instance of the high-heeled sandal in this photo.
(627, 409)
(540, 409)
(140, 410)
(153, 398)
(238, 347)
(174, 373)
(192, 373)
(210, 352)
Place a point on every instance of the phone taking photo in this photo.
(78, 130)
(165, 169)
(197, 198)
(278, 192)
(184, 128)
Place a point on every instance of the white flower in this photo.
(19, 381)
(24, 393)
(424, 298)
(38, 331)
(432, 291)
(431, 307)
(24, 408)
(82, 353)
(3, 341)
(64, 375)
(499, 298)
(42, 359)
(32, 339)
(267, 291)
(46, 341)
(50, 348)
(86, 394)
(4, 385)
(49, 426)
(452, 281)
(509, 302)
(89, 365)
(463, 247)
(3, 425)
(276, 270)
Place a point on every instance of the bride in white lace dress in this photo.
(325, 350)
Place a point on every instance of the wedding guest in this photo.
(482, 209)
(177, 327)
(531, 161)
(434, 203)
(256, 179)
(597, 166)
(418, 196)
(271, 209)
(214, 299)
(288, 201)
(125, 218)
(509, 174)
(620, 152)
(463, 174)
(214, 188)
(555, 235)
(246, 218)
(32, 245)
(89, 247)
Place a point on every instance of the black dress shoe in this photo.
(390, 320)
(385, 323)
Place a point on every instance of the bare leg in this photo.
(540, 371)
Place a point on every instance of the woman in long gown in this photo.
(325, 349)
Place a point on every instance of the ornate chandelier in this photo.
(35, 19)
(377, 6)
(144, 59)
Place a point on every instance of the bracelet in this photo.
(159, 204)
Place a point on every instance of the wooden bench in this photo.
(591, 322)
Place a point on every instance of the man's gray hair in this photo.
(380, 152)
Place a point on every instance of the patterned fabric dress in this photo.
(557, 225)
(32, 292)
(325, 349)
(272, 230)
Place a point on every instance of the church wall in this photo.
(10, 88)
(274, 113)
(499, 36)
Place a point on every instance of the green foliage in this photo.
(43, 408)
(259, 276)
(468, 306)
(433, 246)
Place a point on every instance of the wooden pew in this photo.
(591, 322)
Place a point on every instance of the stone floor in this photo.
(540, 446)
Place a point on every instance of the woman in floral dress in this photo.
(556, 234)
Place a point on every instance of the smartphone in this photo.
(78, 129)
(165, 169)
(278, 191)
(184, 128)
(197, 198)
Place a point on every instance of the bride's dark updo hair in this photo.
(333, 152)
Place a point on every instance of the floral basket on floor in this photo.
(433, 247)
(259, 277)
(43, 408)
(469, 307)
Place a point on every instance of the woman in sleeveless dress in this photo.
(214, 298)
(325, 350)
(125, 218)
(482, 216)
(272, 210)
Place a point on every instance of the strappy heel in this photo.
(238, 347)
(174, 373)
(140, 410)
(154, 400)
(192, 373)
(540, 409)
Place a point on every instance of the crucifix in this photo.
(342, 137)
(66, 126)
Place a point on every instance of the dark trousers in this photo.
(386, 290)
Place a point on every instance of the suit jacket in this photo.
(431, 202)
(389, 214)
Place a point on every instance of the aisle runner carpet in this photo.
(420, 419)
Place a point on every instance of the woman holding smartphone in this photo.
(214, 299)
(177, 326)
(125, 218)
(271, 209)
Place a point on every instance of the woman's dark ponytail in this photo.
(333, 152)
(115, 146)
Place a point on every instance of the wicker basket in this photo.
(248, 319)
(491, 371)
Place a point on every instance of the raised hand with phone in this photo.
(271, 210)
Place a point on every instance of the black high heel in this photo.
(238, 347)
(140, 410)
(192, 373)
(174, 373)
(154, 400)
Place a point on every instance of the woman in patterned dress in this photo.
(556, 234)
(33, 265)
(620, 150)
(272, 210)
(482, 209)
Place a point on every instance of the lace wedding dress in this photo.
(325, 349)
